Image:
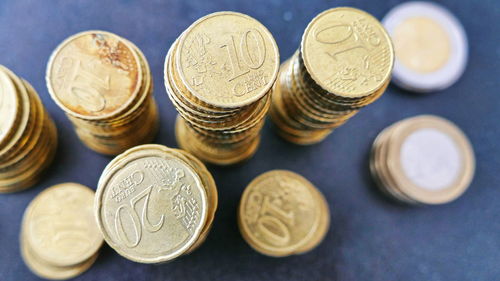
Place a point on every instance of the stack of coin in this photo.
(104, 85)
(281, 213)
(154, 203)
(28, 136)
(344, 63)
(59, 237)
(218, 75)
(422, 160)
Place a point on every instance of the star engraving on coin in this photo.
(94, 74)
(228, 59)
(347, 52)
(278, 212)
(148, 198)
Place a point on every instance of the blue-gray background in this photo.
(370, 237)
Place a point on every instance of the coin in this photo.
(59, 237)
(88, 69)
(215, 71)
(423, 160)
(103, 83)
(347, 52)
(430, 45)
(344, 63)
(218, 75)
(150, 194)
(281, 213)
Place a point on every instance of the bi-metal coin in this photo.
(430, 45)
(424, 159)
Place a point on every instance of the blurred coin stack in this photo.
(281, 213)
(422, 160)
(154, 203)
(59, 236)
(218, 75)
(28, 136)
(344, 63)
(104, 85)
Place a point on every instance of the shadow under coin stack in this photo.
(422, 160)
(104, 85)
(154, 203)
(28, 136)
(59, 236)
(281, 213)
(218, 75)
(344, 63)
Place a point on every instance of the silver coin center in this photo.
(430, 159)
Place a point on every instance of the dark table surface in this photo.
(370, 238)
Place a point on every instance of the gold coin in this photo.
(227, 59)
(151, 206)
(347, 52)
(197, 165)
(280, 213)
(60, 226)
(94, 75)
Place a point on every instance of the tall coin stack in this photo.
(104, 85)
(218, 75)
(344, 63)
(28, 136)
(154, 203)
